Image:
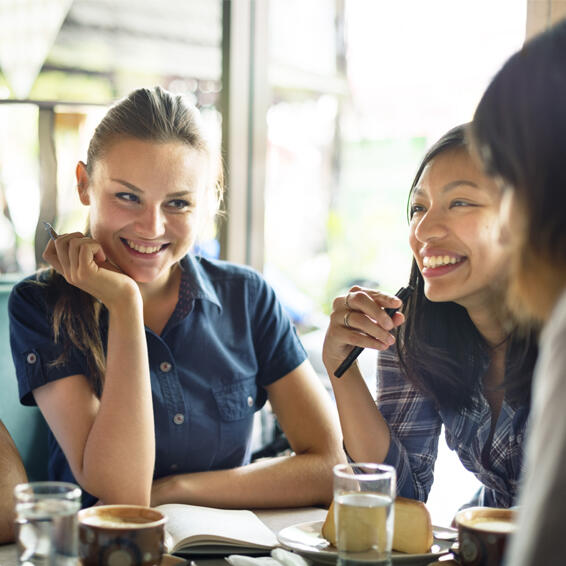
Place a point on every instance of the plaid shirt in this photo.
(415, 423)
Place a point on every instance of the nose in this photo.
(430, 226)
(151, 222)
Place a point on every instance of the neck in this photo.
(158, 290)
(489, 317)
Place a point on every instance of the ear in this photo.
(82, 183)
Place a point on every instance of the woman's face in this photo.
(528, 272)
(454, 231)
(144, 200)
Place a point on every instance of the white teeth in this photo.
(143, 249)
(436, 261)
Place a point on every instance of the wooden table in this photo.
(275, 519)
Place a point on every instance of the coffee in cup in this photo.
(121, 534)
(482, 535)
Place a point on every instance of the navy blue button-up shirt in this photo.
(227, 339)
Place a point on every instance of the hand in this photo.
(83, 263)
(171, 489)
(359, 319)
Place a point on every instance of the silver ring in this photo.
(346, 302)
(347, 319)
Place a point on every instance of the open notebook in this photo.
(192, 529)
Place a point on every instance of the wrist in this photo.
(127, 302)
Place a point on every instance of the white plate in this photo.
(305, 538)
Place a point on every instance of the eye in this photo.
(416, 208)
(129, 197)
(461, 203)
(178, 204)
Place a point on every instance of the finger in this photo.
(372, 304)
(50, 256)
(73, 252)
(385, 300)
(91, 257)
(62, 243)
(398, 319)
(359, 323)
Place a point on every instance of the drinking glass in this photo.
(46, 523)
(363, 513)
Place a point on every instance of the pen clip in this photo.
(52, 234)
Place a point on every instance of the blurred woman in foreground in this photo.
(520, 132)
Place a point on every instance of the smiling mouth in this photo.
(143, 249)
(432, 262)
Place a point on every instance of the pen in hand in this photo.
(53, 235)
(403, 293)
(51, 231)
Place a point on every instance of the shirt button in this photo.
(165, 367)
(250, 401)
(31, 358)
(179, 418)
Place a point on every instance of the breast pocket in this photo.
(238, 400)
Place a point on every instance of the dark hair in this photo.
(519, 130)
(154, 115)
(440, 349)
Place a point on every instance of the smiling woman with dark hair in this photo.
(453, 357)
(519, 129)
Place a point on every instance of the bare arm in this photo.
(366, 434)
(12, 472)
(108, 441)
(309, 421)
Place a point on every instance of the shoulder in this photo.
(555, 328)
(234, 286)
(220, 270)
(552, 357)
(33, 289)
(229, 279)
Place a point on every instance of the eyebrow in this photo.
(450, 186)
(140, 191)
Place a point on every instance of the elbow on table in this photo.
(123, 491)
(125, 497)
(324, 477)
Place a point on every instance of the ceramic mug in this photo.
(121, 534)
(482, 535)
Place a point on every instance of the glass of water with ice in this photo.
(363, 513)
(46, 523)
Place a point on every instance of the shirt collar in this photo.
(193, 274)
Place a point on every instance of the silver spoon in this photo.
(445, 533)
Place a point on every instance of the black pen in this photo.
(403, 293)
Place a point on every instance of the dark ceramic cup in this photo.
(121, 535)
(482, 535)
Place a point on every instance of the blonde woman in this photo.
(149, 362)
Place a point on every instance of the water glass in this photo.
(46, 523)
(363, 513)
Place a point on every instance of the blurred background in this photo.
(322, 108)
